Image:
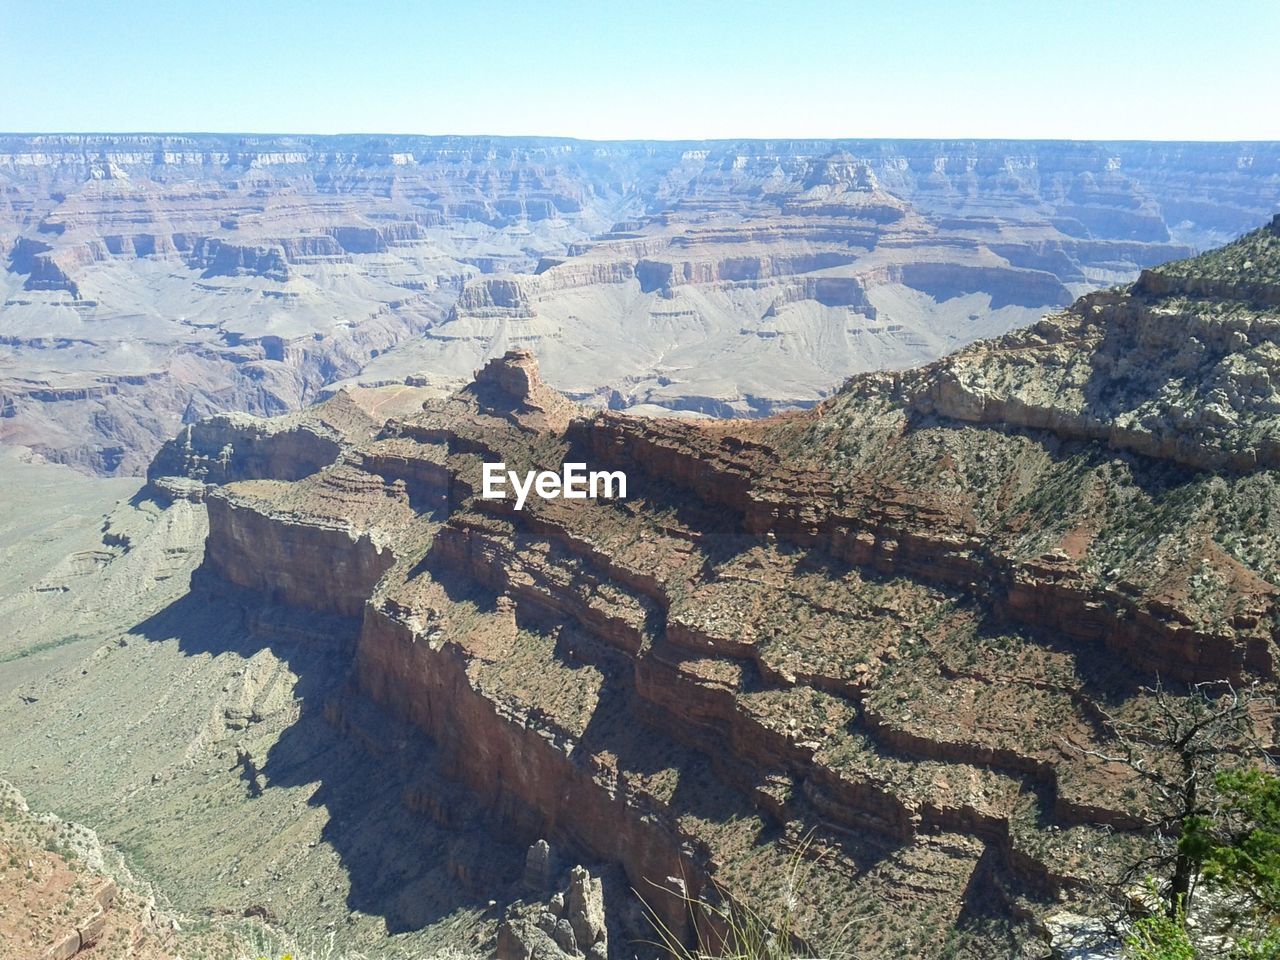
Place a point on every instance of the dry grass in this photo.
(735, 931)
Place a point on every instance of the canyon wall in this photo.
(152, 280)
(883, 635)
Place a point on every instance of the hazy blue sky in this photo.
(648, 68)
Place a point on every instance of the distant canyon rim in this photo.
(308, 681)
(150, 280)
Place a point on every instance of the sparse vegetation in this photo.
(728, 930)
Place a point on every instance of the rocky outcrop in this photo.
(295, 561)
(230, 447)
(902, 536)
(569, 923)
(1178, 368)
(218, 258)
(511, 385)
(84, 935)
(523, 771)
(887, 627)
(58, 902)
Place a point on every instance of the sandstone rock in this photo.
(585, 905)
(565, 938)
(568, 924)
(885, 622)
(537, 867)
(511, 385)
(522, 939)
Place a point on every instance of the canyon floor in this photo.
(134, 700)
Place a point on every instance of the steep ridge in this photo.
(882, 632)
(64, 896)
(152, 280)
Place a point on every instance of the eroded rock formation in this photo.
(875, 639)
(150, 281)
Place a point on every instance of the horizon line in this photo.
(621, 140)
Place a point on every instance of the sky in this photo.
(648, 69)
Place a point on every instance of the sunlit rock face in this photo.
(888, 629)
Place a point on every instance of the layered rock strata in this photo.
(152, 280)
(880, 642)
